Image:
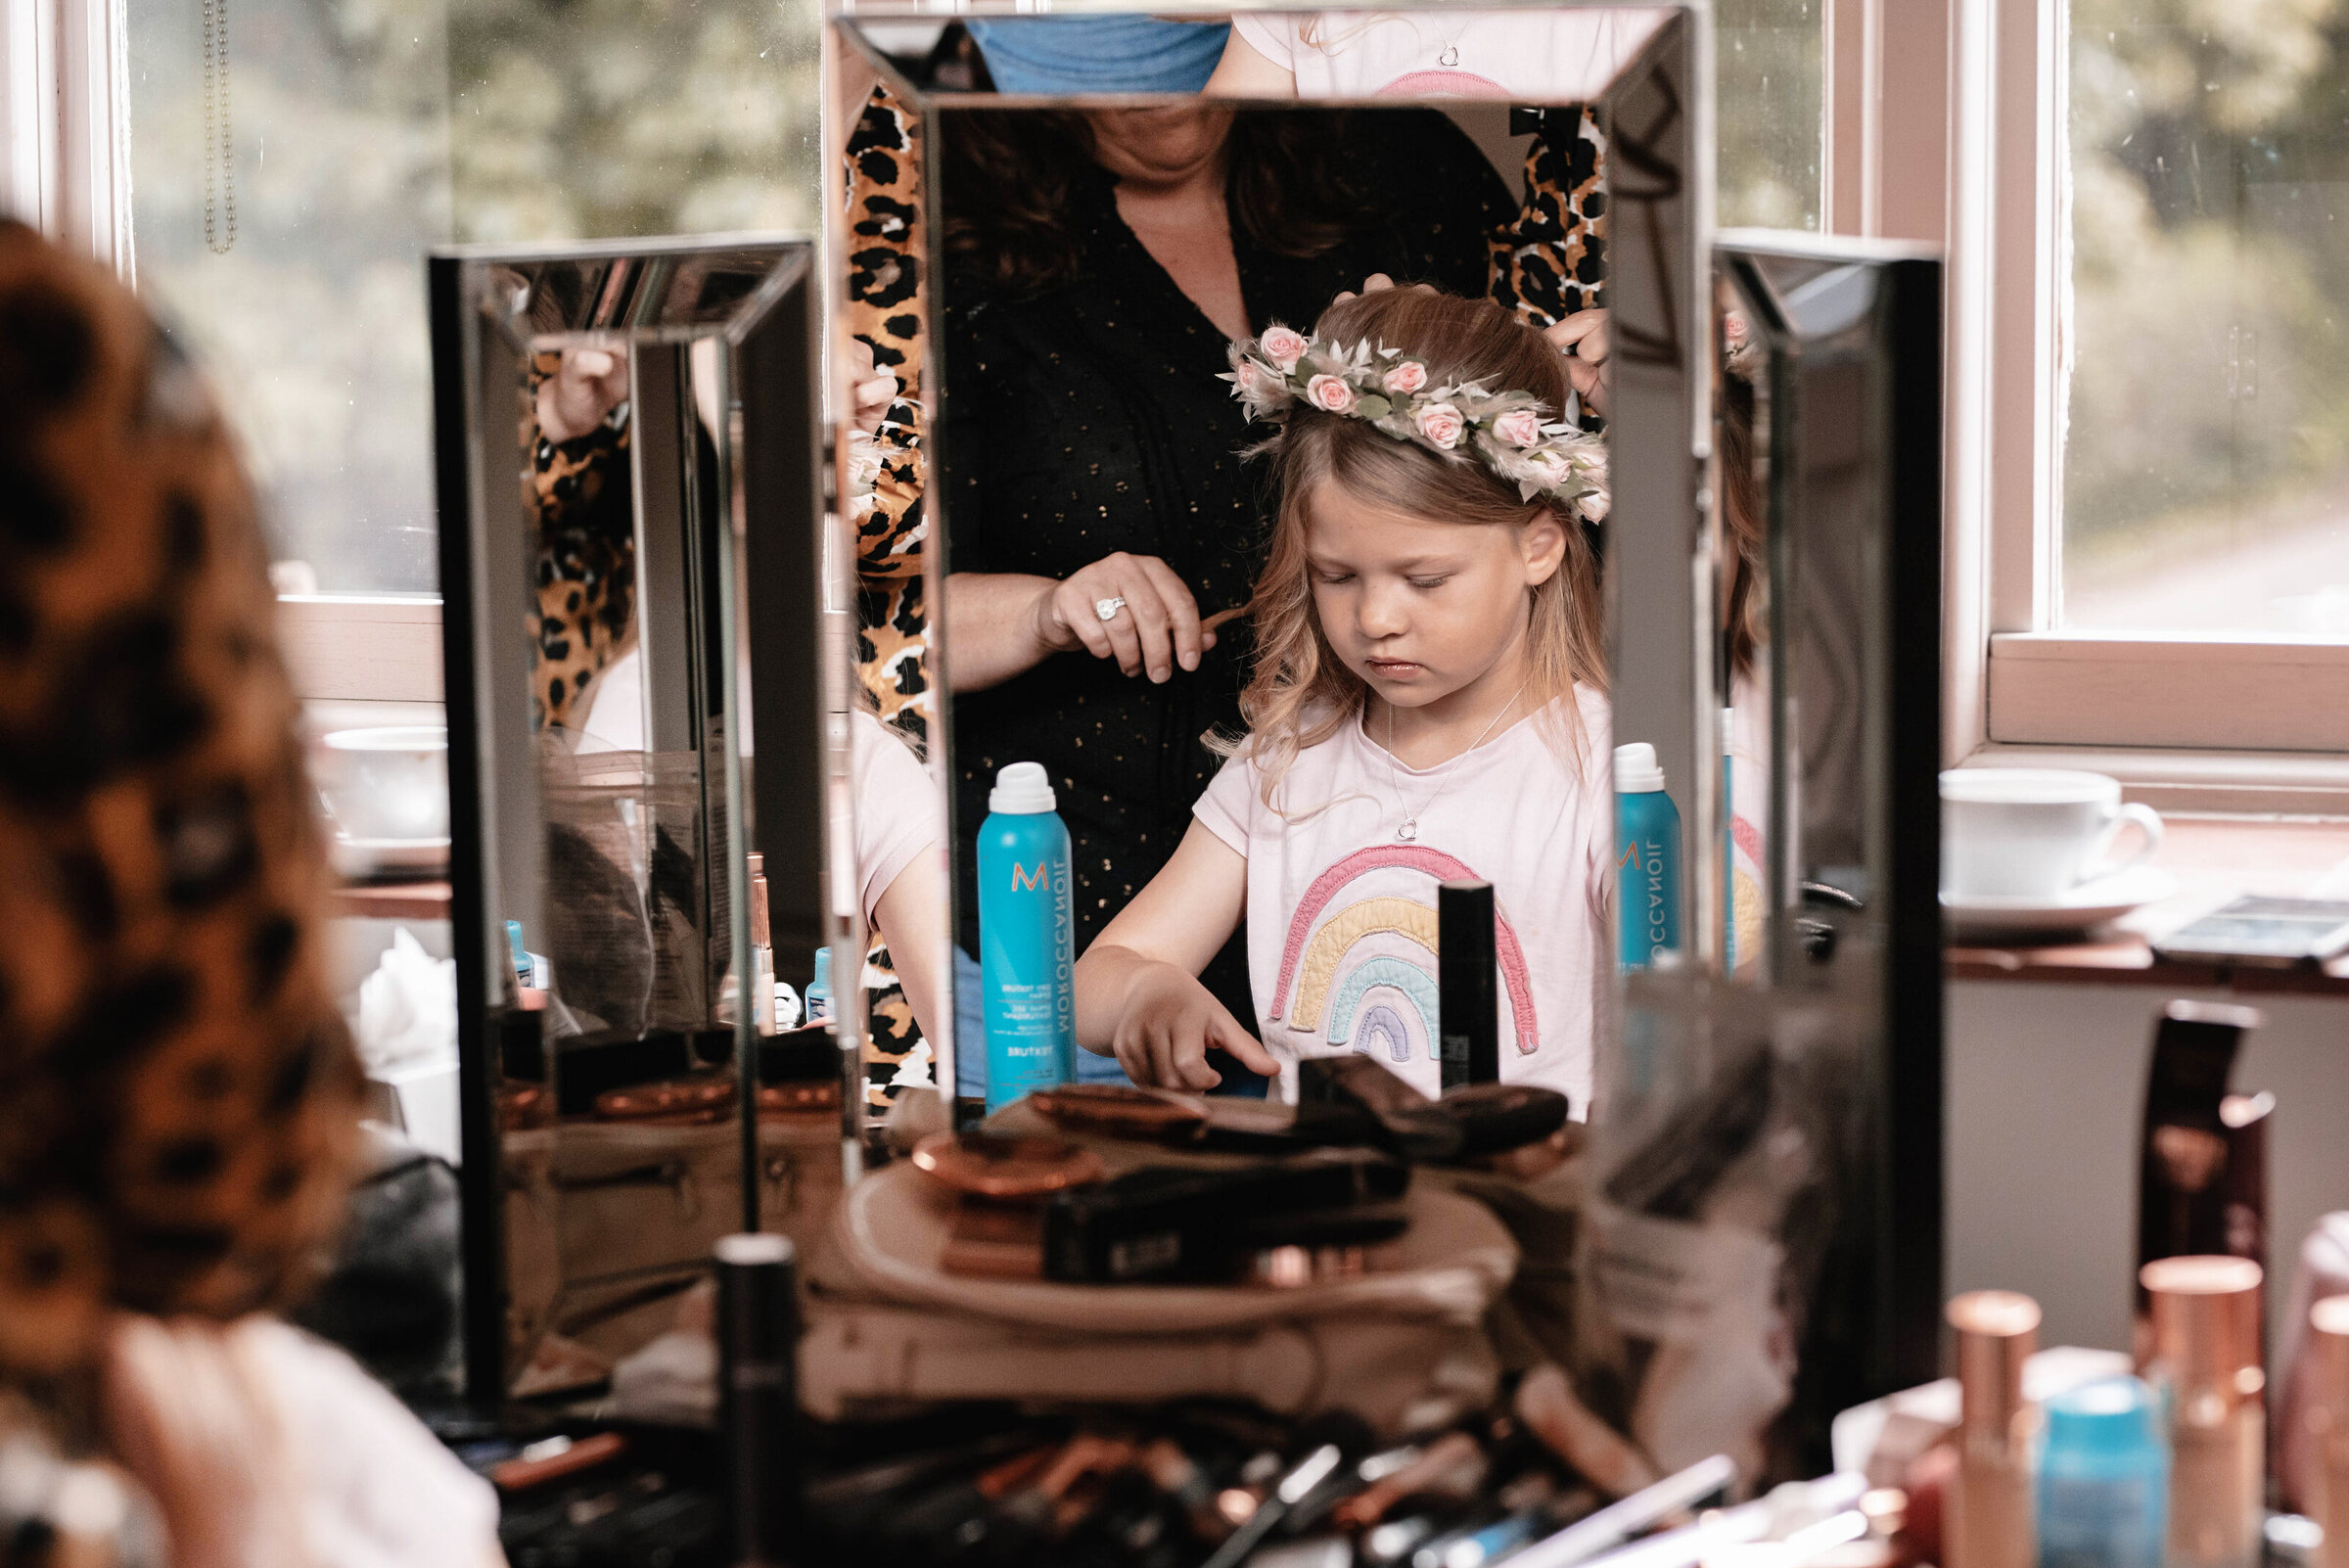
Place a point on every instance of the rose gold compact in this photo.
(1119, 1110)
(990, 1164)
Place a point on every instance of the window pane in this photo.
(292, 158)
(2206, 454)
(1772, 116)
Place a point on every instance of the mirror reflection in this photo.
(1123, 586)
(647, 1093)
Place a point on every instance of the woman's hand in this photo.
(585, 387)
(1169, 1022)
(1156, 629)
(1582, 339)
(870, 390)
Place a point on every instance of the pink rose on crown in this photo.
(1733, 327)
(1404, 379)
(1520, 428)
(1329, 392)
(1440, 425)
(1284, 346)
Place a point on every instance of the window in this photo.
(2149, 403)
(290, 162)
(1770, 67)
(2205, 449)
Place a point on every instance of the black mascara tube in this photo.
(757, 1392)
(1466, 967)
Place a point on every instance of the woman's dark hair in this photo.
(1008, 174)
(1741, 513)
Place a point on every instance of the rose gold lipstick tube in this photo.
(2205, 1314)
(2327, 1414)
(1991, 1523)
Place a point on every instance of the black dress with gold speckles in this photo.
(1088, 419)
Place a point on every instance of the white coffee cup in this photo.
(389, 784)
(2033, 832)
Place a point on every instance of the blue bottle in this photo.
(2103, 1478)
(820, 986)
(1027, 938)
(1647, 850)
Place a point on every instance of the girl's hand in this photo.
(588, 385)
(1169, 1022)
(1582, 339)
(1154, 630)
(870, 390)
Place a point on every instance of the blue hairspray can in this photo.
(1647, 850)
(1027, 938)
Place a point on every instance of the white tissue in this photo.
(407, 1041)
(409, 1011)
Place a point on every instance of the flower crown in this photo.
(1505, 431)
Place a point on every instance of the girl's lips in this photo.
(1393, 668)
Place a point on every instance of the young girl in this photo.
(1426, 705)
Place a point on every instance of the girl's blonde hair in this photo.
(1301, 694)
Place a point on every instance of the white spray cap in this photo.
(1636, 769)
(1024, 789)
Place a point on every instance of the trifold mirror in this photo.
(637, 657)
(1157, 416)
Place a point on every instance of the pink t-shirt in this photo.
(1342, 911)
(1441, 52)
(900, 812)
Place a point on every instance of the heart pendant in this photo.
(1409, 831)
(1452, 54)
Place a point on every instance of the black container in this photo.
(1466, 966)
(757, 1393)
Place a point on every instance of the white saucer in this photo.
(367, 858)
(2090, 903)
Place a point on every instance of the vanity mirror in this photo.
(1052, 238)
(637, 658)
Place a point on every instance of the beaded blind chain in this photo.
(219, 152)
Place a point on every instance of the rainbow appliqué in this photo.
(1371, 998)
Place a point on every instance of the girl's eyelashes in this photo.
(1430, 582)
(1333, 579)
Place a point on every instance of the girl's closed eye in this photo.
(1430, 582)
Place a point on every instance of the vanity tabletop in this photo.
(2214, 858)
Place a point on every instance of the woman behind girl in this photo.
(1427, 703)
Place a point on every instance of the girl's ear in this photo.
(1543, 544)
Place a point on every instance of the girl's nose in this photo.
(1383, 613)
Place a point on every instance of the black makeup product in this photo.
(1474, 1119)
(1467, 999)
(2186, 1182)
(1177, 1222)
(757, 1393)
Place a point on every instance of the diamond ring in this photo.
(1107, 608)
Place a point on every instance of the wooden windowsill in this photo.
(2214, 858)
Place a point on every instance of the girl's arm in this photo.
(1245, 72)
(1138, 995)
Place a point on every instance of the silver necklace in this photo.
(1410, 818)
(1450, 55)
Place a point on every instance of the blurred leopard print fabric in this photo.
(178, 1097)
(586, 572)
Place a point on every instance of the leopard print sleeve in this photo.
(1551, 260)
